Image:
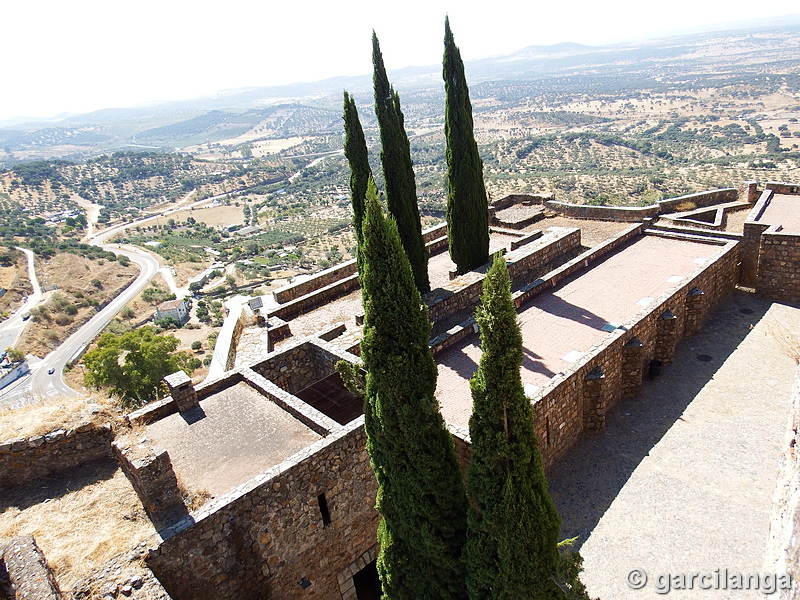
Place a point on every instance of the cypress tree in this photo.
(467, 208)
(398, 170)
(355, 149)
(421, 497)
(512, 550)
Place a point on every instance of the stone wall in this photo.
(779, 187)
(28, 571)
(783, 545)
(751, 243)
(270, 538)
(638, 213)
(698, 200)
(576, 401)
(778, 274)
(464, 291)
(770, 256)
(344, 270)
(148, 467)
(582, 261)
(317, 281)
(628, 214)
(24, 459)
(298, 365)
(292, 369)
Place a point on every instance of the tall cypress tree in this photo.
(398, 170)
(421, 496)
(512, 550)
(467, 208)
(355, 149)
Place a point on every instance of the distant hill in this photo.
(315, 107)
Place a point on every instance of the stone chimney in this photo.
(182, 391)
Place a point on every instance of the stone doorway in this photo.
(367, 584)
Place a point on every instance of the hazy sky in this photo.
(81, 55)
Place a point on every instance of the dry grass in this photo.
(80, 519)
(74, 275)
(217, 216)
(49, 415)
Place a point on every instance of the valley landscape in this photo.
(230, 197)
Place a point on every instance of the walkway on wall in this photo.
(683, 478)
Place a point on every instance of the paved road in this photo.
(12, 328)
(44, 384)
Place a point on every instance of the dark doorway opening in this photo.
(368, 586)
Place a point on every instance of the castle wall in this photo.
(465, 291)
(28, 571)
(634, 213)
(577, 400)
(330, 283)
(24, 459)
(267, 537)
(778, 272)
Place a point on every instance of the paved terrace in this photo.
(240, 435)
(559, 327)
(682, 480)
(784, 210)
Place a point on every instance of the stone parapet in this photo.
(23, 459)
(778, 271)
(149, 469)
(464, 291)
(577, 399)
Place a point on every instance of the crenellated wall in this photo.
(577, 400)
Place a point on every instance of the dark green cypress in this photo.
(398, 171)
(467, 208)
(355, 149)
(512, 550)
(421, 496)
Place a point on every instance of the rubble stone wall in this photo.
(778, 274)
(23, 459)
(264, 539)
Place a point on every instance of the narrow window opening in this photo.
(324, 510)
(547, 431)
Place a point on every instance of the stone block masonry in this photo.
(149, 469)
(28, 571)
(271, 538)
(577, 400)
(778, 274)
(464, 291)
(28, 458)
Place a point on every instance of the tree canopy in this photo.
(355, 149)
(398, 171)
(421, 496)
(467, 207)
(134, 364)
(512, 546)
